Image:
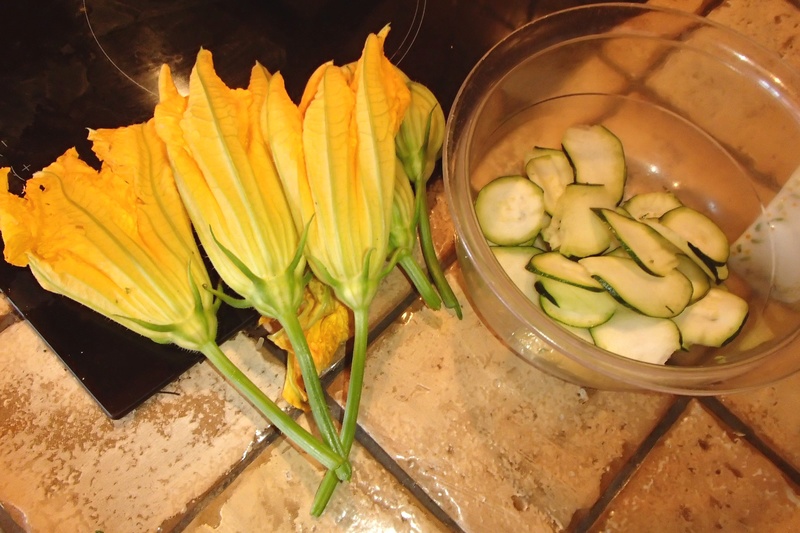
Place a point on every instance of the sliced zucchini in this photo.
(714, 320)
(700, 232)
(581, 333)
(721, 273)
(635, 278)
(539, 242)
(637, 336)
(696, 275)
(682, 245)
(574, 306)
(575, 230)
(510, 210)
(551, 233)
(555, 266)
(651, 204)
(514, 260)
(597, 157)
(646, 246)
(657, 296)
(550, 170)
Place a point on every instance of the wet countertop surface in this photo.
(456, 432)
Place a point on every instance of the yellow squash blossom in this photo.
(335, 153)
(120, 242)
(218, 146)
(117, 240)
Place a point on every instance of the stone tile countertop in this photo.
(456, 432)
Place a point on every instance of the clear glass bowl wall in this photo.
(701, 111)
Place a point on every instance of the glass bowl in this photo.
(701, 111)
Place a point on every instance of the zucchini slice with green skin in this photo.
(655, 254)
(637, 336)
(597, 157)
(683, 246)
(514, 260)
(714, 320)
(574, 306)
(510, 210)
(656, 296)
(700, 232)
(582, 333)
(701, 283)
(650, 204)
(555, 266)
(550, 170)
(575, 230)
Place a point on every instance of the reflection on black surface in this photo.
(91, 63)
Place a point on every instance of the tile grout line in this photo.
(405, 479)
(713, 405)
(630, 467)
(199, 504)
(370, 445)
(376, 451)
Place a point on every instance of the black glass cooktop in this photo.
(68, 65)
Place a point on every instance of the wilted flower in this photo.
(326, 323)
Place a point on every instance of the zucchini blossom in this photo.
(419, 146)
(403, 237)
(218, 146)
(335, 154)
(119, 241)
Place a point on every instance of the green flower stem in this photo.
(429, 253)
(286, 424)
(329, 482)
(316, 398)
(420, 279)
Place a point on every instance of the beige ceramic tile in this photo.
(773, 23)
(442, 229)
(276, 492)
(7, 313)
(67, 467)
(634, 59)
(497, 444)
(737, 114)
(731, 109)
(394, 289)
(774, 414)
(702, 477)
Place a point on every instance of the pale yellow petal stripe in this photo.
(285, 125)
(330, 152)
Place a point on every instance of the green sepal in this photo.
(238, 303)
(238, 263)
